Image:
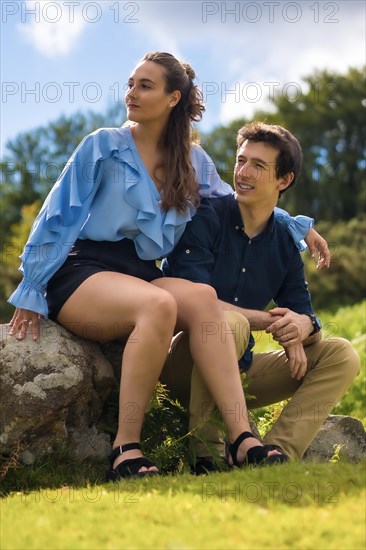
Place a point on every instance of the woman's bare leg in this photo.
(110, 305)
(213, 351)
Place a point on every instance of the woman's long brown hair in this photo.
(180, 186)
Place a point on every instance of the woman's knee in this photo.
(201, 294)
(161, 306)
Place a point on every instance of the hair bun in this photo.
(190, 72)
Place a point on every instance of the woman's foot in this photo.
(128, 461)
(247, 450)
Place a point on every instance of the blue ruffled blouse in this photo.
(105, 193)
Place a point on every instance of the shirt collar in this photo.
(237, 221)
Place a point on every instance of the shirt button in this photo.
(243, 269)
(188, 251)
(237, 227)
(249, 242)
(236, 299)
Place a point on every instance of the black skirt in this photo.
(88, 257)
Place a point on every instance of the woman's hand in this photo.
(318, 247)
(22, 320)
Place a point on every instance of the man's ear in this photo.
(287, 179)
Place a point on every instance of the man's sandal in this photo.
(130, 467)
(256, 456)
(204, 466)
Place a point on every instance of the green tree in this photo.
(328, 117)
(329, 121)
(345, 282)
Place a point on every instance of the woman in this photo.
(122, 201)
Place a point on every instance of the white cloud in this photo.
(268, 58)
(241, 99)
(52, 28)
(245, 56)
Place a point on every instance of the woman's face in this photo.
(146, 99)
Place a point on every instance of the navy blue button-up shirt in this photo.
(245, 272)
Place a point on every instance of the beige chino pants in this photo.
(333, 364)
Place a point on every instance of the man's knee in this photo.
(343, 357)
(177, 370)
(349, 358)
(240, 330)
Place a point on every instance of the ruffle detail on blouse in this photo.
(160, 231)
(298, 226)
(31, 294)
(80, 178)
(160, 239)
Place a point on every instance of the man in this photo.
(235, 244)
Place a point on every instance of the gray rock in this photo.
(52, 393)
(113, 351)
(340, 435)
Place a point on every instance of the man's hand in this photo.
(318, 248)
(291, 329)
(297, 360)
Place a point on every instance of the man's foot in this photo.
(203, 466)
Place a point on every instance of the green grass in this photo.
(298, 506)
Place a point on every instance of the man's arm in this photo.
(258, 320)
(293, 306)
(292, 330)
(262, 320)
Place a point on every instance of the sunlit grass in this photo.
(292, 506)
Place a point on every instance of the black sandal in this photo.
(130, 467)
(204, 466)
(256, 456)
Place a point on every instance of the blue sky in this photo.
(58, 57)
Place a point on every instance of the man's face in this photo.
(255, 178)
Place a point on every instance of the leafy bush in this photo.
(350, 322)
(344, 283)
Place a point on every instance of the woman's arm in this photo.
(304, 235)
(318, 248)
(209, 182)
(58, 225)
